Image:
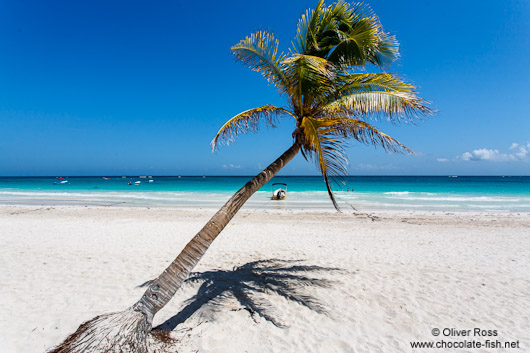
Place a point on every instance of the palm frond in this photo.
(365, 133)
(393, 105)
(361, 40)
(326, 148)
(259, 52)
(309, 77)
(307, 28)
(346, 34)
(373, 82)
(248, 121)
(349, 84)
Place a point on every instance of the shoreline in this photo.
(381, 213)
(278, 210)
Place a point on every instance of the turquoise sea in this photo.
(451, 193)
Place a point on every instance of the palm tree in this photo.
(331, 99)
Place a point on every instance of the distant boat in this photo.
(151, 180)
(106, 178)
(142, 177)
(453, 176)
(280, 193)
(61, 182)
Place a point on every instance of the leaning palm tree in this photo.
(330, 98)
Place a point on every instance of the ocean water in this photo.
(366, 193)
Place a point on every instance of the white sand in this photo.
(404, 274)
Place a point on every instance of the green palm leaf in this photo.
(307, 30)
(309, 77)
(345, 34)
(361, 39)
(373, 82)
(326, 148)
(259, 52)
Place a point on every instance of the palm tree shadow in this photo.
(251, 284)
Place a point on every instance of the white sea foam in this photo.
(397, 193)
(295, 199)
(427, 196)
(464, 199)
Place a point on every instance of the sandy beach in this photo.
(379, 281)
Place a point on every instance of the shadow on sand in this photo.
(252, 285)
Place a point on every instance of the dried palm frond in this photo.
(392, 105)
(248, 121)
(374, 96)
(126, 331)
(365, 133)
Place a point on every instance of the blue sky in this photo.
(137, 87)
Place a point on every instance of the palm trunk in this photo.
(129, 330)
(162, 289)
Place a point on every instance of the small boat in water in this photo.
(61, 182)
(279, 193)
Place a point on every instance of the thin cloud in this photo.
(230, 166)
(363, 166)
(518, 153)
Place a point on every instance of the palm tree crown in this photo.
(329, 94)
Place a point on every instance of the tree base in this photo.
(121, 332)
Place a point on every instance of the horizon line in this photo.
(251, 176)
